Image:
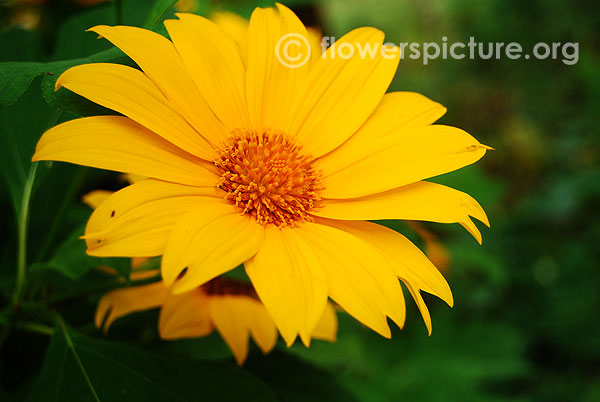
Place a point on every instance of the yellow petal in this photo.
(289, 279)
(133, 178)
(236, 27)
(226, 314)
(421, 201)
(128, 91)
(93, 199)
(327, 326)
(341, 93)
(185, 316)
(359, 279)
(407, 261)
(248, 316)
(421, 305)
(157, 57)
(140, 275)
(209, 241)
(402, 157)
(121, 302)
(261, 324)
(137, 220)
(120, 144)
(214, 62)
(397, 111)
(271, 86)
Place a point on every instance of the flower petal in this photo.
(137, 220)
(209, 241)
(397, 111)
(414, 292)
(128, 91)
(409, 263)
(327, 326)
(185, 316)
(119, 143)
(340, 92)
(121, 302)
(236, 27)
(213, 60)
(227, 315)
(421, 201)
(261, 324)
(271, 86)
(359, 279)
(407, 260)
(289, 279)
(402, 157)
(94, 198)
(157, 57)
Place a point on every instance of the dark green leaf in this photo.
(158, 12)
(15, 78)
(295, 380)
(20, 45)
(120, 373)
(21, 125)
(70, 259)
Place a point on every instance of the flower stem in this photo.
(22, 233)
(35, 327)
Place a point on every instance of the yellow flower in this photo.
(225, 304)
(250, 161)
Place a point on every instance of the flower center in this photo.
(228, 286)
(266, 175)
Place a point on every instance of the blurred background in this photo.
(525, 325)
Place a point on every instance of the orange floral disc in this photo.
(267, 176)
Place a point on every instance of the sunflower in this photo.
(276, 168)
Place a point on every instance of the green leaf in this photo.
(76, 367)
(158, 12)
(21, 125)
(461, 357)
(22, 45)
(73, 40)
(71, 259)
(295, 380)
(15, 78)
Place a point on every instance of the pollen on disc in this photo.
(266, 175)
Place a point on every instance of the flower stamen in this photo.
(266, 175)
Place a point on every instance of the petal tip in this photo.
(58, 84)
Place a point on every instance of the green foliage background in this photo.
(525, 325)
